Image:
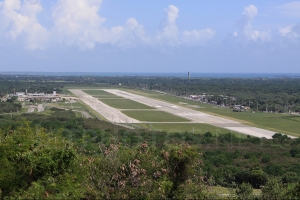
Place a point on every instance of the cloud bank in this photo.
(78, 23)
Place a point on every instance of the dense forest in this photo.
(278, 94)
(62, 156)
(10, 105)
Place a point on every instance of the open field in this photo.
(283, 123)
(124, 104)
(153, 116)
(187, 127)
(78, 107)
(100, 94)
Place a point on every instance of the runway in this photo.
(111, 114)
(116, 116)
(195, 116)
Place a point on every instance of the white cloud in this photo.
(290, 31)
(78, 23)
(19, 19)
(135, 31)
(291, 9)
(130, 34)
(195, 37)
(169, 27)
(286, 30)
(170, 32)
(245, 25)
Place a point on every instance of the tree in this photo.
(290, 177)
(35, 163)
(273, 189)
(244, 191)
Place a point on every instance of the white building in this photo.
(20, 94)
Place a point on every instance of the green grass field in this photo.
(107, 97)
(124, 104)
(80, 106)
(187, 127)
(101, 94)
(153, 116)
(283, 123)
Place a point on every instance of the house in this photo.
(20, 98)
(194, 96)
(20, 94)
(3, 99)
(239, 108)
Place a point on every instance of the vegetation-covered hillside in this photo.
(61, 156)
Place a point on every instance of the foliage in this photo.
(8, 107)
(34, 160)
(244, 191)
(43, 164)
(107, 161)
(274, 189)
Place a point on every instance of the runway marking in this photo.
(191, 114)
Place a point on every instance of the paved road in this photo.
(40, 108)
(111, 114)
(195, 116)
(31, 109)
(87, 115)
(84, 113)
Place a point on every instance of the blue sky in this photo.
(150, 36)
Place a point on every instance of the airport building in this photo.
(24, 96)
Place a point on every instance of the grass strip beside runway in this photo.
(154, 116)
(188, 127)
(100, 93)
(124, 104)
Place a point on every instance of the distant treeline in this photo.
(9, 85)
(272, 94)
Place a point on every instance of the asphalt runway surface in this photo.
(112, 114)
(195, 116)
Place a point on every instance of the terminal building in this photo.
(24, 96)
